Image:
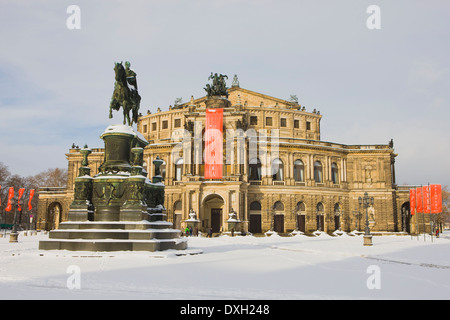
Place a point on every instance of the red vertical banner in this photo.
(412, 201)
(419, 206)
(31, 198)
(426, 199)
(0, 197)
(214, 144)
(21, 191)
(436, 198)
(10, 196)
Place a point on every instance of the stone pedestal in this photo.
(234, 224)
(119, 208)
(217, 102)
(192, 222)
(367, 240)
(13, 236)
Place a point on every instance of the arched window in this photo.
(255, 169)
(278, 218)
(334, 173)
(299, 170)
(318, 171)
(255, 217)
(319, 208)
(337, 216)
(162, 168)
(320, 217)
(277, 170)
(255, 205)
(300, 208)
(301, 216)
(278, 206)
(337, 209)
(178, 169)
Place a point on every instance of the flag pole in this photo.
(417, 216)
(423, 214)
(429, 200)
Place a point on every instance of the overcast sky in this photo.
(370, 85)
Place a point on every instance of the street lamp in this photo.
(366, 202)
(18, 203)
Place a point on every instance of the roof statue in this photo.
(218, 87)
(125, 93)
(235, 82)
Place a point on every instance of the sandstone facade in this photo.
(277, 173)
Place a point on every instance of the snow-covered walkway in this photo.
(298, 267)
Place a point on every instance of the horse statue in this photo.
(125, 93)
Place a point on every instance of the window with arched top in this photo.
(320, 219)
(162, 169)
(337, 216)
(301, 208)
(320, 207)
(337, 209)
(255, 205)
(255, 169)
(299, 170)
(334, 173)
(278, 206)
(179, 169)
(277, 170)
(255, 217)
(318, 171)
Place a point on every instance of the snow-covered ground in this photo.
(228, 268)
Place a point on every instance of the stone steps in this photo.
(123, 225)
(114, 236)
(113, 245)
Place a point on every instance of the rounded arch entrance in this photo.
(212, 212)
(53, 216)
(406, 217)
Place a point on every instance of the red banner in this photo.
(436, 198)
(0, 197)
(31, 198)
(213, 144)
(426, 199)
(10, 196)
(21, 191)
(419, 207)
(412, 201)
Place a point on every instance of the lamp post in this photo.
(13, 236)
(366, 202)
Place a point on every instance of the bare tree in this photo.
(445, 206)
(56, 177)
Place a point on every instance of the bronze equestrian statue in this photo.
(125, 93)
